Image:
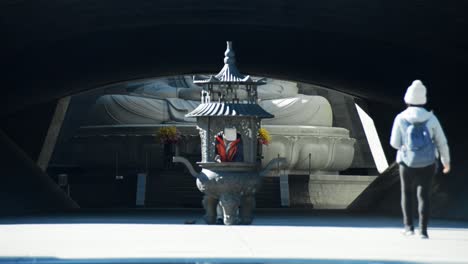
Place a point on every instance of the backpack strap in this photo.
(420, 123)
(407, 123)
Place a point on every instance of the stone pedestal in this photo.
(336, 191)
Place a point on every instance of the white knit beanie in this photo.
(416, 93)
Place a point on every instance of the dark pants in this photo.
(416, 181)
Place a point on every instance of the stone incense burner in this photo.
(232, 184)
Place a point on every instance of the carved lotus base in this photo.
(310, 148)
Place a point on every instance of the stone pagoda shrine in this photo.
(228, 129)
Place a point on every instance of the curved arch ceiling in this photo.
(372, 49)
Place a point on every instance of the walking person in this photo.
(420, 141)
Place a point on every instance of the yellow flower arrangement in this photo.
(264, 136)
(168, 134)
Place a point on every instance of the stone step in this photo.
(376, 191)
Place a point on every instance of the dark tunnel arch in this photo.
(369, 49)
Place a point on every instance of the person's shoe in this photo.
(423, 235)
(409, 231)
(219, 221)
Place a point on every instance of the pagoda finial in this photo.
(230, 56)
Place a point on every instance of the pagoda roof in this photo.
(229, 73)
(229, 109)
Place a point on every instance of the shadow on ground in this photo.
(276, 217)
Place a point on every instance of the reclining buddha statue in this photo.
(168, 100)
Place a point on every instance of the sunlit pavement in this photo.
(272, 238)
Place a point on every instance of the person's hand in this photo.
(446, 169)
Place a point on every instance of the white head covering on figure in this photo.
(416, 93)
(230, 133)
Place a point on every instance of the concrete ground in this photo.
(275, 237)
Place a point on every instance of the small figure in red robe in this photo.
(228, 147)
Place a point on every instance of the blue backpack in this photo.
(419, 149)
